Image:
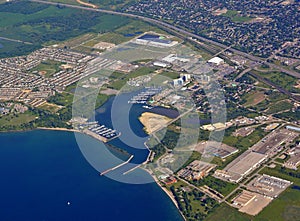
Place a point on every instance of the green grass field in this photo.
(40, 24)
(235, 17)
(244, 142)
(17, 119)
(169, 74)
(120, 81)
(50, 67)
(62, 99)
(281, 79)
(105, 4)
(272, 97)
(221, 186)
(11, 48)
(127, 32)
(112, 37)
(285, 208)
(227, 213)
(279, 106)
(253, 98)
(110, 4)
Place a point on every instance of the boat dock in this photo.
(100, 132)
(116, 167)
(144, 96)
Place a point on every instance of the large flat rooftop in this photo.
(251, 203)
(213, 148)
(241, 166)
(268, 185)
(246, 161)
(272, 142)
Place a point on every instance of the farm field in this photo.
(40, 24)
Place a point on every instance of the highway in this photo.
(177, 30)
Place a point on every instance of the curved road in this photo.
(175, 29)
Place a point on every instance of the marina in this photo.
(144, 96)
(100, 132)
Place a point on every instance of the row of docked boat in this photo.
(145, 95)
(103, 131)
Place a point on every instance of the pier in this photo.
(116, 167)
(144, 96)
(100, 132)
(132, 169)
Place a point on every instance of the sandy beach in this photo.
(58, 129)
(152, 122)
(170, 195)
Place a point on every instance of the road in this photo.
(15, 40)
(256, 172)
(87, 4)
(201, 189)
(280, 89)
(176, 30)
(242, 73)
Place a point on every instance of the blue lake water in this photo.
(118, 114)
(295, 187)
(43, 170)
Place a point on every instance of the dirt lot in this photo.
(255, 98)
(244, 131)
(153, 122)
(256, 205)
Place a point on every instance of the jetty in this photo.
(116, 167)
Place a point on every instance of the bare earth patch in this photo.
(255, 99)
(298, 84)
(153, 122)
(220, 11)
(109, 91)
(104, 45)
(51, 107)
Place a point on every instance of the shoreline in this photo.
(41, 128)
(170, 195)
(57, 129)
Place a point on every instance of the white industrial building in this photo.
(161, 64)
(178, 82)
(171, 58)
(216, 60)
